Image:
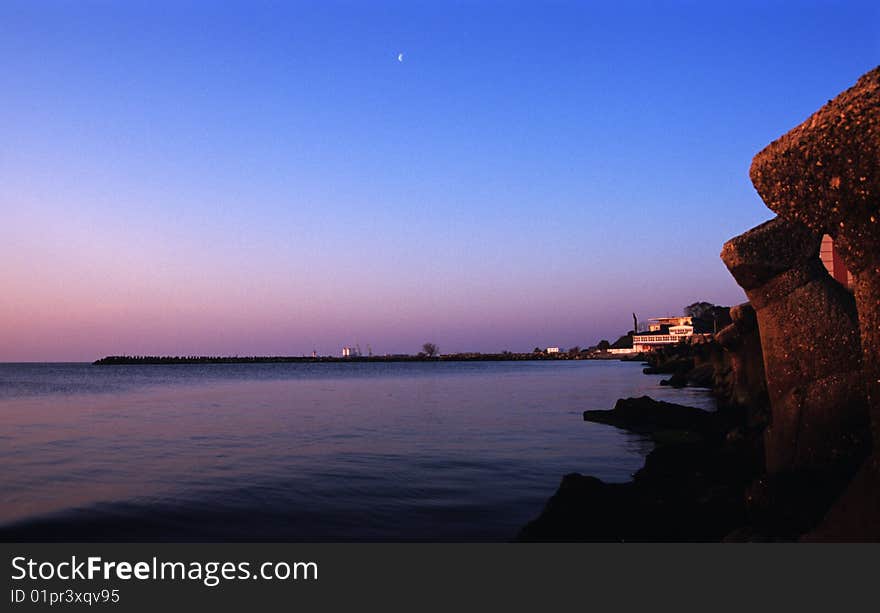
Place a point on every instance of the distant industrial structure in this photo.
(551, 350)
(351, 352)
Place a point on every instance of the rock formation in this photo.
(804, 345)
(823, 175)
(809, 334)
(646, 416)
(740, 378)
(690, 488)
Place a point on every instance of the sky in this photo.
(267, 178)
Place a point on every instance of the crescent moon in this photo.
(399, 57)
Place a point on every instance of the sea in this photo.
(412, 451)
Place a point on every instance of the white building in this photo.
(663, 331)
(656, 324)
(681, 331)
(552, 350)
(350, 352)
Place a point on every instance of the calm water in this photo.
(408, 451)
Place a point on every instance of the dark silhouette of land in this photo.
(504, 356)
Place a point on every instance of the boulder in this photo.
(686, 492)
(676, 380)
(702, 375)
(741, 381)
(825, 175)
(810, 343)
(585, 509)
(645, 415)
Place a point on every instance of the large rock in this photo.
(825, 174)
(685, 492)
(742, 382)
(648, 416)
(809, 336)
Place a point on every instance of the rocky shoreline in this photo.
(690, 488)
(704, 481)
(792, 452)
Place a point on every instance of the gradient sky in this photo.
(267, 178)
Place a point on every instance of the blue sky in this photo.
(269, 178)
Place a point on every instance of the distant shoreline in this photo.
(464, 357)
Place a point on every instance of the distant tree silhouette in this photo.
(698, 309)
(430, 350)
(603, 345)
(624, 342)
(708, 317)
